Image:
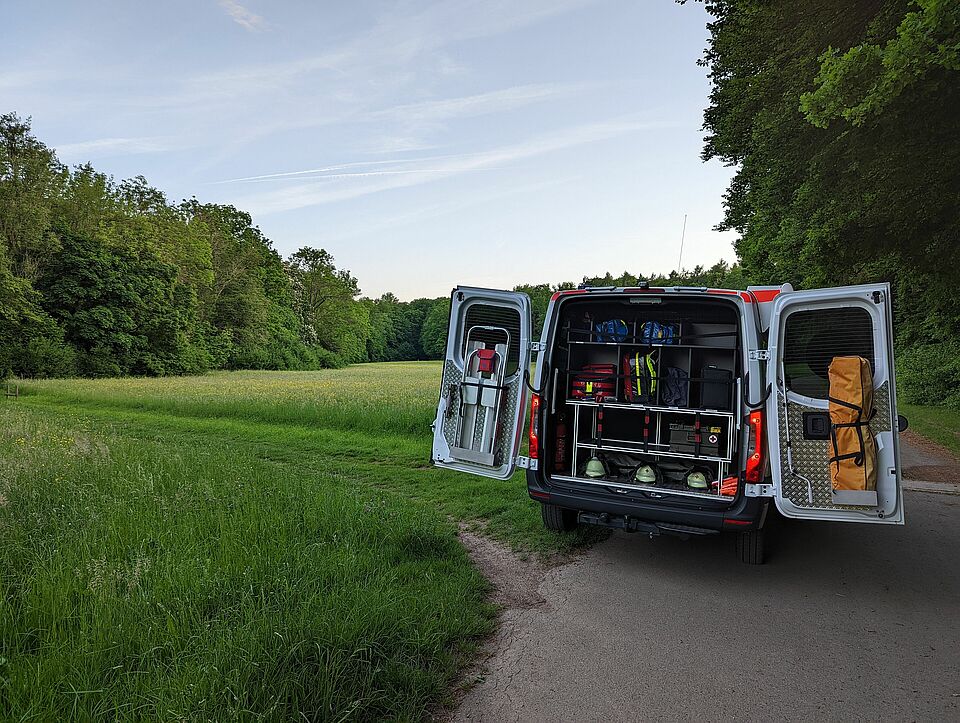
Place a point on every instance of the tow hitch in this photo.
(632, 524)
(626, 523)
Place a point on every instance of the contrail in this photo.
(362, 174)
(340, 167)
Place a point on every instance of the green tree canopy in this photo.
(840, 118)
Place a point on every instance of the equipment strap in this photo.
(857, 457)
(639, 376)
(483, 385)
(696, 435)
(599, 424)
(653, 376)
(848, 405)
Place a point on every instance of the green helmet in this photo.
(596, 468)
(697, 480)
(645, 474)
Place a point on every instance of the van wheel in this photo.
(750, 547)
(558, 519)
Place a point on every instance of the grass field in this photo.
(940, 424)
(239, 545)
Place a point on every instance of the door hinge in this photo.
(750, 490)
(877, 297)
(536, 346)
(527, 463)
(759, 355)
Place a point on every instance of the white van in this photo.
(669, 410)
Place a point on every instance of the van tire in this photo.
(558, 519)
(750, 547)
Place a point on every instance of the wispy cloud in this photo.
(365, 225)
(84, 150)
(414, 121)
(497, 101)
(243, 16)
(376, 57)
(387, 75)
(11, 80)
(342, 187)
(391, 144)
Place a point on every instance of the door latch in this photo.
(759, 355)
(750, 490)
(536, 346)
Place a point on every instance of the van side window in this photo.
(813, 338)
(501, 317)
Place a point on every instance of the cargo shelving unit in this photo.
(705, 344)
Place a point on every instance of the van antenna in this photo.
(683, 233)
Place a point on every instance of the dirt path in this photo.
(927, 461)
(847, 621)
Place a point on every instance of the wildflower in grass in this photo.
(100, 574)
(140, 566)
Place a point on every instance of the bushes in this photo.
(46, 357)
(31, 343)
(930, 374)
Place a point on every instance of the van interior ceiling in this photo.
(645, 397)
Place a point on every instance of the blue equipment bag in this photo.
(614, 330)
(653, 332)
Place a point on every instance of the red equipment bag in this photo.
(594, 381)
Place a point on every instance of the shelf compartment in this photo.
(716, 496)
(652, 346)
(613, 445)
(646, 408)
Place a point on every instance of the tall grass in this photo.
(147, 580)
(395, 398)
(236, 546)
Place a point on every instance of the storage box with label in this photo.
(683, 439)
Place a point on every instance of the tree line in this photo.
(99, 278)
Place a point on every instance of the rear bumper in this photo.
(746, 513)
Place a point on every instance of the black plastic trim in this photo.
(748, 510)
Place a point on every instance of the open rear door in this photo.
(483, 396)
(808, 329)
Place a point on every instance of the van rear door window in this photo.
(495, 325)
(813, 338)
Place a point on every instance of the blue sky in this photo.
(424, 144)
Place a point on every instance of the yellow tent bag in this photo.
(853, 450)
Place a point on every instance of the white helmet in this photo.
(596, 468)
(646, 474)
(698, 479)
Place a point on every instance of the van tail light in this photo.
(755, 450)
(534, 451)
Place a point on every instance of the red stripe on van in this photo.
(566, 292)
(730, 292)
(766, 295)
